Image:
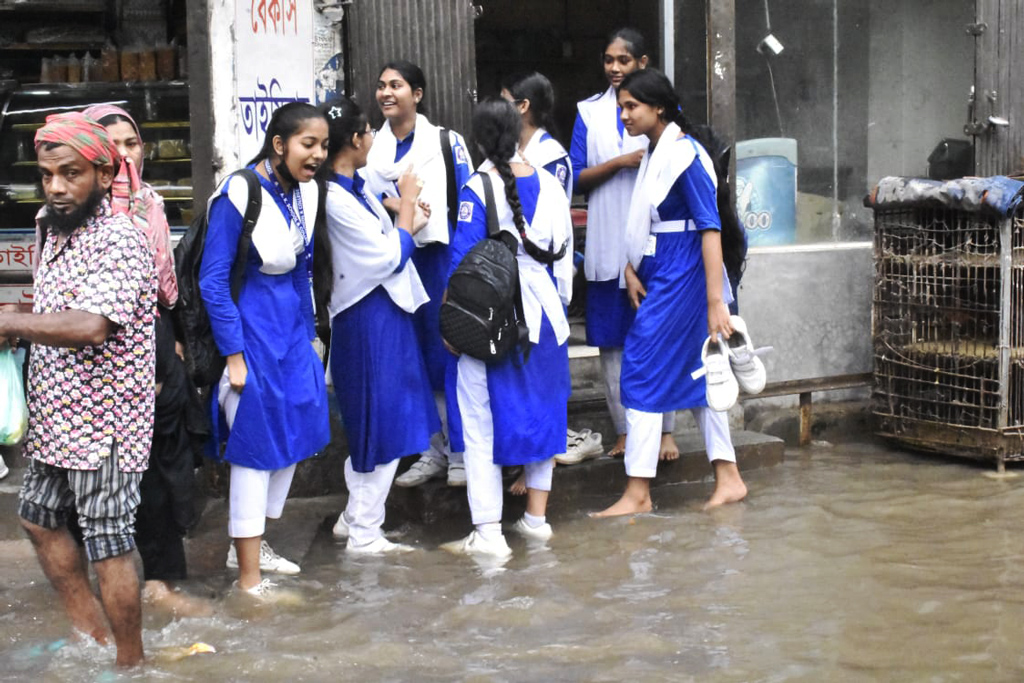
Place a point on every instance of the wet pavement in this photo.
(852, 563)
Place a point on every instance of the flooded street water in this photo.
(856, 563)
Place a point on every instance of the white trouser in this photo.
(440, 446)
(254, 496)
(367, 493)
(643, 440)
(483, 477)
(611, 369)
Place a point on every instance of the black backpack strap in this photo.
(252, 214)
(449, 169)
(494, 232)
(323, 273)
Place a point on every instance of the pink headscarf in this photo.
(131, 196)
(82, 134)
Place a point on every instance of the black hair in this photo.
(536, 88)
(634, 40)
(411, 74)
(286, 121)
(653, 88)
(496, 129)
(345, 118)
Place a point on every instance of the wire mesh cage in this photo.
(948, 329)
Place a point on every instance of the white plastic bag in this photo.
(13, 411)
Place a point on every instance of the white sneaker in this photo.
(586, 445)
(269, 560)
(475, 544)
(537, 533)
(261, 590)
(722, 389)
(379, 546)
(746, 366)
(340, 529)
(4, 470)
(268, 592)
(456, 474)
(422, 470)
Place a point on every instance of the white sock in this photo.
(532, 521)
(489, 531)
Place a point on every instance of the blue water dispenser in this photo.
(766, 190)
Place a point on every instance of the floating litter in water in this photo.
(173, 654)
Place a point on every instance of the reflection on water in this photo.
(850, 564)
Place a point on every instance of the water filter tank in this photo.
(766, 190)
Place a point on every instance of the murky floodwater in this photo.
(852, 564)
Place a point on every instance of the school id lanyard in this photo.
(298, 215)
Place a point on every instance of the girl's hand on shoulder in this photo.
(718, 320)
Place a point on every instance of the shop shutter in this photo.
(435, 34)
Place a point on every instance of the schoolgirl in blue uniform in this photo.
(604, 162)
(532, 94)
(514, 412)
(675, 274)
(272, 392)
(385, 398)
(407, 139)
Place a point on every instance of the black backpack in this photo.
(203, 360)
(482, 315)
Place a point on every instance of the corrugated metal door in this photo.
(435, 34)
(999, 96)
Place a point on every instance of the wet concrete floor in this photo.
(852, 563)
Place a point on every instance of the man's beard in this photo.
(66, 223)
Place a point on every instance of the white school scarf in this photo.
(551, 225)
(607, 204)
(539, 153)
(365, 252)
(382, 172)
(276, 239)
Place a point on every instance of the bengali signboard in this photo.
(273, 63)
(17, 261)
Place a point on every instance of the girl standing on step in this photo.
(272, 392)
(676, 260)
(604, 163)
(514, 411)
(409, 139)
(386, 402)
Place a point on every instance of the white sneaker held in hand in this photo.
(422, 471)
(722, 388)
(743, 357)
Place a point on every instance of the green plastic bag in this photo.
(13, 411)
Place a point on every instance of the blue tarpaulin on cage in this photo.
(996, 194)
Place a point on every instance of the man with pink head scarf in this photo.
(90, 390)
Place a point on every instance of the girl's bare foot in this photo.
(518, 487)
(619, 449)
(635, 500)
(729, 486)
(163, 597)
(669, 449)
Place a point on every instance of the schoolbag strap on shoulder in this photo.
(449, 168)
(252, 214)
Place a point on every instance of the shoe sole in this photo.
(283, 572)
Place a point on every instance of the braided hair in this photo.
(653, 88)
(496, 128)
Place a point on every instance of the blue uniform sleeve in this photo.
(578, 149)
(560, 168)
(304, 290)
(472, 227)
(408, 247)
(692, 197)
(219, 250)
